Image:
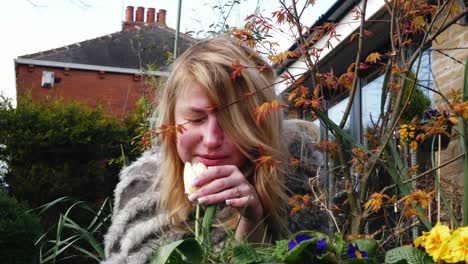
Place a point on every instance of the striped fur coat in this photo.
(138, 228)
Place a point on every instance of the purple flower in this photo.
(321, 246)
(431, 113)
(355, 253)
(298, 239)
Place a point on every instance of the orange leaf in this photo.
(265, 109)
(181, 129)
(293, 161)
(353, 36)
(293, 199)
(237, 70)
(168, 131)
(368, 33)
(373, 57)
(266, 161)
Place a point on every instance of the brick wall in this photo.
(116, 92)
(448, 70)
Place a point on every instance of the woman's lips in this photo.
(212, 160)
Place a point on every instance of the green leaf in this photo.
(306, 249)
(281, 250)
(383, 97)
(464, 147)
(245, 254)
(340, 245)
(188, 250)
(338, 130)
(395, 167)
(206, 225)
(409, 254)
(360, 261)
(368, 245)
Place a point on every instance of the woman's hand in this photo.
(227, 184)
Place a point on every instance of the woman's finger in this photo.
(220, 197)
(242, 202)
(215, 172)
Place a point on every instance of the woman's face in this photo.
(204, 140)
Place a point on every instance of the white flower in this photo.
(190, 173)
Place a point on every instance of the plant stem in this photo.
(197, 223)
(462, 127)
(207, 220)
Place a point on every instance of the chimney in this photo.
(140, 14)
(150, 16)
(129, 22)
(162, 17)
(129, 14)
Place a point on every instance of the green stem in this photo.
(206, 225)
(462, 127)
(197, 223)
(441, 191)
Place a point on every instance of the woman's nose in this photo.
(213, 135)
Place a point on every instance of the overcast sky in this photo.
(30, 26)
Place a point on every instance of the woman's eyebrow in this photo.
(200, 110)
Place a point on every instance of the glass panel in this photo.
(425, 74)
(371, 96)
(336, 114)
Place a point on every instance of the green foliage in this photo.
(281, 250)
(245, 254)
(418, 104)
(180, 251)
(55, 148)
(19, 230)
(68, 239)
(407, 255)
(367, 245)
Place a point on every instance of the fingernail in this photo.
(229, 202)
(195, 183)
(202, 200)
(193, 197)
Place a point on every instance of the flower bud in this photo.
(190, 174)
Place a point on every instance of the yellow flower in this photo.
(190, 173)
(413, 145)
(403, 133)
(435, 240)
(456, 249)
(419, 241)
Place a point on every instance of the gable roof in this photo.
(123, 49)
(334, 13)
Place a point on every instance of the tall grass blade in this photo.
(463, 141)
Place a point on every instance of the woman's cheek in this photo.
(186, 143)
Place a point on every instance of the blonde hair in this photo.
(209, 63)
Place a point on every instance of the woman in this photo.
(215, 104)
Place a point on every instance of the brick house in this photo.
(108, 70)
(442, 68)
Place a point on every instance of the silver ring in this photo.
(237, 192)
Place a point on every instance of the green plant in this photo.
(19, 230)
(57, 148)
(68, 239)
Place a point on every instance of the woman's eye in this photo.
(196, 120)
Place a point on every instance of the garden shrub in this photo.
(18, 231)
(56, 148)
